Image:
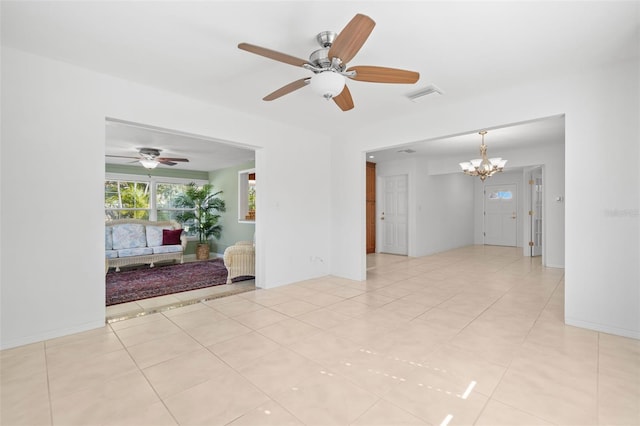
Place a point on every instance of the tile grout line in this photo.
(46, 364)
(141, 371)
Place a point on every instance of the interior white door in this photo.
(535, 214)
(394, 216)
(500, 215)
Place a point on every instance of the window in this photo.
(126, 199)
(247, 195)
(136, 197)
(165, 193)
(501, 195)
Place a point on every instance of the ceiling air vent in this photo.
(408, 151)
(420, 95)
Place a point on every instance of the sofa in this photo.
(240, 260)
(136, 241)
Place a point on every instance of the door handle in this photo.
(513, 215)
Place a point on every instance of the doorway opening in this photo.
(203, 160)
(444, 215)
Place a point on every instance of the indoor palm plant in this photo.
(205, 207)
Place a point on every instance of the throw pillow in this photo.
(171, 237)
(154, 235)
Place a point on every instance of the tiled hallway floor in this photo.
(469, 336)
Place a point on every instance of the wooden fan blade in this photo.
(272, 54)
(295, 85)
(384, 75)
(344, 99)
(163, 159)
(352, 37)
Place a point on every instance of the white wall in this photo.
(52, 183)
(601, 260)
(440, 206)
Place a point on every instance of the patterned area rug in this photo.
(145, 282)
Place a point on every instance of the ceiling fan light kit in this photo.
(328, 64)
(148, 164)
(483, 167)
(328, 84)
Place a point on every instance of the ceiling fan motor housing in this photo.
(320, 58)
(149, 152)
(326, 38)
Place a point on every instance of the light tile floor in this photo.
(154, 305)
(469, 336)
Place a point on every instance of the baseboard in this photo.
(634, 334)
(192, 257)
(51, 335)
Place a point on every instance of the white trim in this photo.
(603, 328)
(41, 337)
(152, 179)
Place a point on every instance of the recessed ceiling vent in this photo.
(420, 95)
(408, 151)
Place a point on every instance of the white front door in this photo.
(393, 219)
(500, 215)
(535, 214)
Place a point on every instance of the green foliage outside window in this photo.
(126, 200)
(252, 198)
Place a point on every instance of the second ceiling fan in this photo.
(329, 64)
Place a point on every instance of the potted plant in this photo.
(204, 217)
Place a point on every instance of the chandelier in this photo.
(483, 167)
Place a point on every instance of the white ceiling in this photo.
(465, 48)
(125, 139)
(547, 131)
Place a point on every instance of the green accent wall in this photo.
(158, 171)
(226, 180)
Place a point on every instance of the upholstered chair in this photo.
(240, 260)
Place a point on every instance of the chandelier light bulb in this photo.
(328, 84)
(483, 167)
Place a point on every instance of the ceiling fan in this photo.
(150, 158)
(329, 64)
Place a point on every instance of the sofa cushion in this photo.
(139, 251)
(171, 237)
(154, 235)
(129, 236)
(167, 249)
(108, 238)
(111, 254)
